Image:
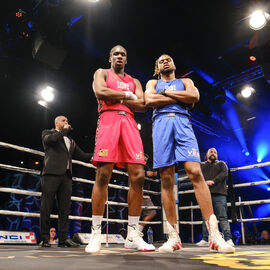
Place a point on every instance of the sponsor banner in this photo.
(112, 238)
(8, 237)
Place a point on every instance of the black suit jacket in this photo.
(56, 153)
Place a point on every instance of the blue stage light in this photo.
(247, 154)
(263, 210)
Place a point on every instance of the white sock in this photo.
(96, 220)
(133, 220)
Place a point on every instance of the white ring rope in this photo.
(73, 198)
(230, 221)
(37, 215)
(250, 166)
(228, 204)
(36, 152)
(182, 178)
(250, 184)
(18, 169)
(24, 170)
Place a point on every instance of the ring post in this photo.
(242, 223)
(107, 221)
(192, 226)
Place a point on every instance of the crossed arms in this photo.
(153, 99)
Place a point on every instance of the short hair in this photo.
(57, 118)
(156, 71)
(115, 47)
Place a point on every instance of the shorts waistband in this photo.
(169, 114)
(120, 112)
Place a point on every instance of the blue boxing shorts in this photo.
(173, 140)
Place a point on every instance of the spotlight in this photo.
(259, 160)
(247, 92)
(258, 19)
(139, 126)
(47, 94)
(43, 103)
(252, 58)
(268, 189)
(36, 162)
(22, 162)
(247, 153)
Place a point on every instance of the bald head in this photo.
(211, 155)
(265, 234)
(60, 121)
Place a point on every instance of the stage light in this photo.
(47, 94)
(22, 162)
(268, 189)
(252, 58)
(139, 126)
(247, 153)
(258, 19)
(262, 150)
(19, 14)
(43, 103)
(247, 91)
(36, 162)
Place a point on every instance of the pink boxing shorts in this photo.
(118, 140)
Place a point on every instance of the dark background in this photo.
(208, 40)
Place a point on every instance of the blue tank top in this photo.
(174, 85)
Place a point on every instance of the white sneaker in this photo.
(134, 240)
(95, 240)
(202, 243)
(174, 241)
(230, 242)
(216, 242)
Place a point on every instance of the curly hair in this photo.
(156, 70)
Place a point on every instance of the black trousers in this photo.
(59, 187)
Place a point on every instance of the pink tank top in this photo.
(117, 83)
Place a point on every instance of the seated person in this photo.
(265, 239)
(237, 239)
(53, 239)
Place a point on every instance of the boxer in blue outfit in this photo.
(174, 141)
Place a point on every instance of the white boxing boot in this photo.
(216, 241)
(95, 240)
(174, 241)
(134, 240)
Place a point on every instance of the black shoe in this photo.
(46, 244)
(123, 233)
(68, 243)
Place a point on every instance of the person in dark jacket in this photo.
(56, 180)
(215, 173)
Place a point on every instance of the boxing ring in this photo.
(114, 256)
